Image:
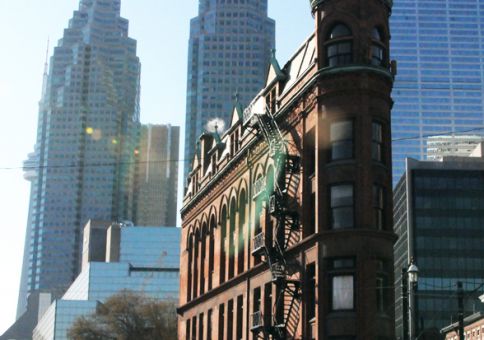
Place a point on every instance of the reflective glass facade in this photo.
(157, 179)
(439, 88)
(149, 263)
(60, 316)
(87, 127)
(442, 228)
(229, 52)
(151, 239)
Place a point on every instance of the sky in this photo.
(161, 28)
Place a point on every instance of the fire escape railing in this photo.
(288, 290)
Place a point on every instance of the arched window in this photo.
(233, 214)
(377, 47)
(339, 46)
(203, 245)
(257, 220)
(241, 243)
(271, 181)
(195, 263)
(190, 260)
(223, 230)
(211, 249)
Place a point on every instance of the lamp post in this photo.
(412, 273)
(404, 304)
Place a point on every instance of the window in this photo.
(382, 300)
(380, 294)
(378, 209)
(342, 206)
(377, 47)
(230, 321)
(221, 319)
(268, 304)
(342, 284)
(339, 46)
(343, 292)
(223, 239)
(271, 102)
(187, 330)
(376, 142)
(240, 316)
(200, 326)
(341, 137)
(194, 328)
(310, 153)
(311, 291)
(256, 302)
(209, 324)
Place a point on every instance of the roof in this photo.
(467, 321)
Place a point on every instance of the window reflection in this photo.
(342, 206)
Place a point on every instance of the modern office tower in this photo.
(229, 53)
(439, 87)
(157, 176)
(147, 262)
(439, 147)
(287, 226)
(439, 218)
(84, 155)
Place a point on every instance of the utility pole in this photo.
(460, 298)
(404, 304)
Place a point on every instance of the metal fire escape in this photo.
(282, 205)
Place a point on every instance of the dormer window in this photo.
(339, 46)
(236, 140)
(377, 47)
(271, 102)
(214, 163)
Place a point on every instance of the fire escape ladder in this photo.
(286, 310)
(283, 206)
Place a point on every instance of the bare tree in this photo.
(128, 316)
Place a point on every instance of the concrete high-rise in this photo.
(157, 176)
(229, 52)
(439, 87)
(83, 163)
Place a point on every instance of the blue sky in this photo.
(161, 28)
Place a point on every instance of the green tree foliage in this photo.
(128, 316)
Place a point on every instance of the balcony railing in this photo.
(259, 243)
(259, 186)
(257, 321)
(272, 204)
(277, 271)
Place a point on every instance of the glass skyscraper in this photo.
(229, 53)
(82, 166)
(157, 175)
(439, 88)
(439, 219)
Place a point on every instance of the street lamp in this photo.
(409, 275)
(412, 273)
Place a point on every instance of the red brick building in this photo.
(287, 217)
(473, 328)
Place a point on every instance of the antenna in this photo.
(46, 69)
(46, 64)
